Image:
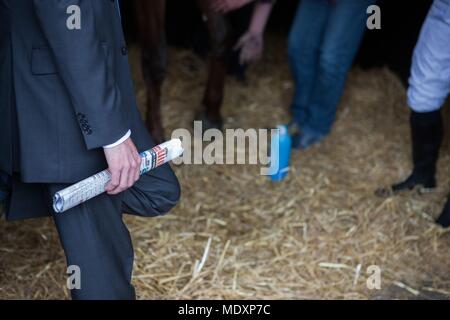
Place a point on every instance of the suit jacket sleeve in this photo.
(82, 63)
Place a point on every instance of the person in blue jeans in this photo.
(323, 42)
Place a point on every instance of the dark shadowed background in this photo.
(392, 45)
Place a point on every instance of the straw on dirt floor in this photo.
(236, 235)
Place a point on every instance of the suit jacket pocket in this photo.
(42, 62)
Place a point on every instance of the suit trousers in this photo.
(96, 240)
(93, 235)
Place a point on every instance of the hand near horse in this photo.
(251, 45)
(225, 6)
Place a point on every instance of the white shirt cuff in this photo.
(115, 144)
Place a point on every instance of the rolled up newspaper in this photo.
(95, 185)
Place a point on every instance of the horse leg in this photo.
(219, 38)
(150, 20)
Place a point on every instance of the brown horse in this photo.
(151, 22)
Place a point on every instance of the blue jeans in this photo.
(323, 42)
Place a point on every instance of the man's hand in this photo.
(251, 45)
(225, 6)
(124, 165)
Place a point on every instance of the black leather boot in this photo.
(427, 134)
(5, 188)
(444, 218)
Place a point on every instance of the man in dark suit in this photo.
(67, 111)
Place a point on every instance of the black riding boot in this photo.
(427, 134)
(444, 218)
(5, 187)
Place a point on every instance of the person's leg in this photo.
(343, 34)
(429, 86)
(96, 240)
(303, 49)
(427, 133)
(154, 194)
(429, 83)
(444, 219)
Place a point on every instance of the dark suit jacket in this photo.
(72, 88)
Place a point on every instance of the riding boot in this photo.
(5, 188)
(444, 218)
(426, 135)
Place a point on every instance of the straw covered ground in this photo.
(236, 235)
